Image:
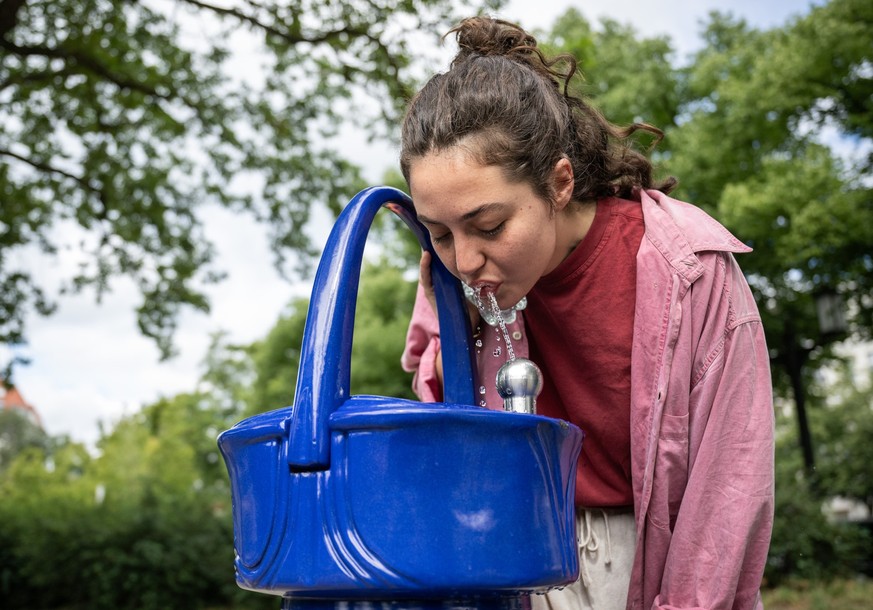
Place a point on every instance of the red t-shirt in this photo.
(580, 327)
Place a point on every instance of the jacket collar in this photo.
(680, 230)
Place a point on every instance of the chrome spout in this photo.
(519, 382)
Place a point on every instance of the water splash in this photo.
(496, 312)
(495, 308)
(509, 315)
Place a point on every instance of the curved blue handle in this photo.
(324, 376)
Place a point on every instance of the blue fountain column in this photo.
(325, 363)
(346, 500)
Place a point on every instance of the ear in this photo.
(562, 183)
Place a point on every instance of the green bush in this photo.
(805, 545)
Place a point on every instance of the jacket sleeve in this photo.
(422, 350)
(721, 528)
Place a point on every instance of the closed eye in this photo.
(495, 231)
(440, 239)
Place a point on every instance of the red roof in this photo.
(12, 399)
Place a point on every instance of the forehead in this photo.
(447, 185)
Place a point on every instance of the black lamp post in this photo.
(832, 325)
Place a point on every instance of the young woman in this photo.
(636, 311)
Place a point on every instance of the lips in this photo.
(484, 288)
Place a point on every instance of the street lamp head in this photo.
(831, 313)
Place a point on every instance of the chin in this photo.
(505, 302)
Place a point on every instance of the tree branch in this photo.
(292, 38)
(45, 167)
(284, 35)
(251, 20)
(9, 15)
(86, 62)
(43, 76)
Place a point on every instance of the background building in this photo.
(11, 398)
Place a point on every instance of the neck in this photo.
(574, 224)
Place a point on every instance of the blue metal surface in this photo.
(325, 362)
(489, 603)
(343, 497)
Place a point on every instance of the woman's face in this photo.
(489, 232)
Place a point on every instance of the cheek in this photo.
(522, 262)
(531, 248)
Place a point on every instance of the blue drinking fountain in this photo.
(345, 502)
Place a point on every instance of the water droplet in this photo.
(497, 351)
(496, 309)
(482, 403)
(481, 389)
(478, 342)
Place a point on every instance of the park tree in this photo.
(141, 521)
(18, 433)
(844, 424)
(772, 141)
(276, 359)
(648, 92)
(770, 118)
(120, 120)
(386, 295)
(144, 519)
(381, 322)
(745, 122)
(770, 131)
(382, 315)
(765, 129)
(43, 500)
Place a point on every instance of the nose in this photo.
(469, 259)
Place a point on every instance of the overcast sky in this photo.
(90, 364)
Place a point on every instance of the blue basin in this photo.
(368, 497)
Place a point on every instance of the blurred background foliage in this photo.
(102, 106)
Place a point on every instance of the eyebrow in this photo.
(485, 207)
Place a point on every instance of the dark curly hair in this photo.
(510, 106)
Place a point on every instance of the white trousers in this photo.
(607, 540)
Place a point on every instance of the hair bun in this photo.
(489, 36)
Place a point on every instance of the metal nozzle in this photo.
(519, 382)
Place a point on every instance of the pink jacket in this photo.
(423, 347)
(701, 418)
